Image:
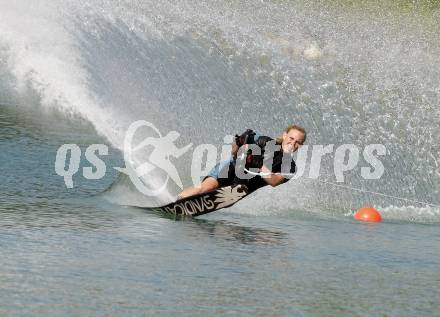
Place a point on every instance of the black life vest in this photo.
(250, 137)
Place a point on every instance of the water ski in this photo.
(204, 203)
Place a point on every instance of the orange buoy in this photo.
(368, 214)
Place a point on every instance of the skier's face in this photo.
(292, 140)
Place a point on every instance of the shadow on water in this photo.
(92, 214)
(226, 230)
(243, 234)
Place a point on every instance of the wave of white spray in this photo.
(346, 79)
(44, 57)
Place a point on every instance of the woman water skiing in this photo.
(256, 161)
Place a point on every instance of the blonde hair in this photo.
(299, 128)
